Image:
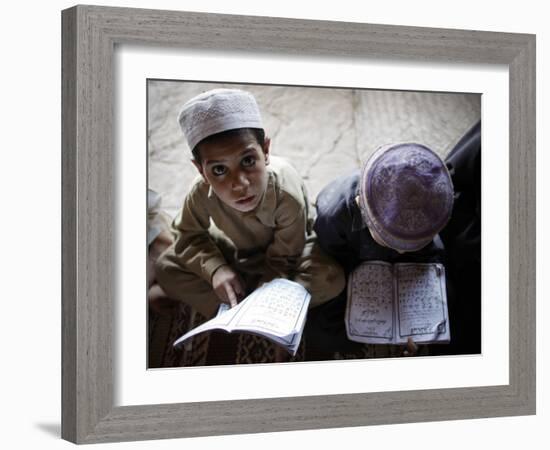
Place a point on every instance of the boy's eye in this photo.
(218, 170)
(248, 161)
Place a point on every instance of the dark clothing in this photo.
(343, 235)
(462, 235)
(462, 239)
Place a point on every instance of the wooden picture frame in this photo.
(90, 34)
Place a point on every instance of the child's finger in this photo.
(412, 348)
(231, 296)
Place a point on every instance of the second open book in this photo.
(388, 303)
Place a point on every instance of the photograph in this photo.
(258, 225)
(291, 224)
(320, 227)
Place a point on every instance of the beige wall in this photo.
(324, 132)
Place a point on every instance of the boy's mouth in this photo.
(246, 200)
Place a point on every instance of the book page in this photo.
(369, 312)
(422, 302)
(278, 309)
(221, 321)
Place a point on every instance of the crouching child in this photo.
(246, 218)
(391, 210)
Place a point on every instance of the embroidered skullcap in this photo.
(218, 110)
(406, 195)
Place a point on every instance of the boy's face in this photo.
(235, 168)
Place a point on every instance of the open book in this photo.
(277, 311)
(388, 303)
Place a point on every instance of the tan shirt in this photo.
(274, 232)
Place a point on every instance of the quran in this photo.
(276, 310)
(388, 303)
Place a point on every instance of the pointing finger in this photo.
(231, 295)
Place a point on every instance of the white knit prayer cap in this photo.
(218, 110)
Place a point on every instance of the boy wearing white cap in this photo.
(246, 218)
(391, 210)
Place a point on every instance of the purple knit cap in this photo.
(406, 195)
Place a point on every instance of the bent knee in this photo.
(174, 278)
(334, 280)
(161, 268)
(324, 281)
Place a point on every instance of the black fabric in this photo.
(462, 240)
(325, 330)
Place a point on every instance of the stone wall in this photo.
(325, 132)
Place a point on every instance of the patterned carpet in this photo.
(206, 349)
(220, 348)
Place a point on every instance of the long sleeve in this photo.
(289, 236)
(338, 226)
(333, 231)
(194, 248)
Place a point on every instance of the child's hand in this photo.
(227, 285)
(411, 349)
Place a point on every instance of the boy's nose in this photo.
(240, 181)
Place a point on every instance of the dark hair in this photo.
(258, 133)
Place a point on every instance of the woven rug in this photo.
(220, 348)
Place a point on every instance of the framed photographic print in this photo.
(326, 105)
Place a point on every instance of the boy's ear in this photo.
(199, 168)
(267, 144)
